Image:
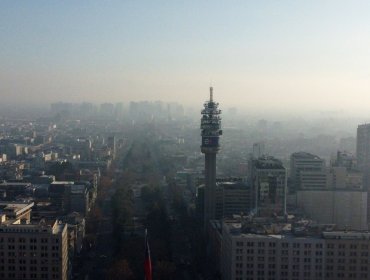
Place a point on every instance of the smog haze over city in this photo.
(187, 140)
(275, 55)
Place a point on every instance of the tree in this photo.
(120, 270)
(165, 270)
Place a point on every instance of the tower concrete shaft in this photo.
(210, 187)
(211, 131)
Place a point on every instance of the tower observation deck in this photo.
(211, 131)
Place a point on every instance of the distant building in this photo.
(307, 164)
(233, 197)
(340, 196)
(363, 148)
(258, 150)
(267, 176)
(345, 159)
(345, 208)
(112, 145)
(59, 193)
(236, 198)
(107, 110)
(79, 199)
(12, 190)
(313, 179)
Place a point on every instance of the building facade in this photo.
(329, 256)
(267, 176)
(33, 250)
(307, 164)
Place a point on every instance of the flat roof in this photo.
(14, 207)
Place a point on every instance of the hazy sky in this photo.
(265, 54)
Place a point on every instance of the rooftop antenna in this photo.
(211, 94)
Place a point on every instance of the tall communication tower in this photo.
(211, 131)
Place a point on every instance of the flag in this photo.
(147, 261)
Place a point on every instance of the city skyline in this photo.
(271, 55)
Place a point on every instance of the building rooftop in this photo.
(301, 229)
(233, 185)
(42, 226)
(13, 209)
(268, 163)
(305, 155)
(62, 183)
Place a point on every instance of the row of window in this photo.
(307, 274)
(24, 240)
(32, 254)
(31, 247)
(303, 245)
(13, 275)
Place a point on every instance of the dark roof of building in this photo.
(268, 163)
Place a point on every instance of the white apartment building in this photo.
(32, 251)
(330, 256)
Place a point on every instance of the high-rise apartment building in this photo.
(211, 131)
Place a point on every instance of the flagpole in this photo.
(147, 260)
